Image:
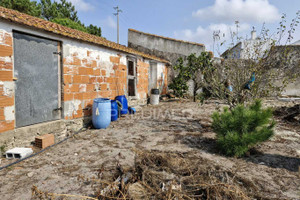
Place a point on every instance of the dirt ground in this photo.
(172, 128)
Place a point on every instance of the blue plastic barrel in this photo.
(124, 103)
(114, 110)
(101, 113)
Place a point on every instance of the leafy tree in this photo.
(61, 12)
(62, 9)
(179, 83)
(264, 73)
(69, 23)
(25, 6)
(242, 128)
(196, 66)
(94, 30)
(190, 68)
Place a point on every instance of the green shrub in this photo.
(242, 128)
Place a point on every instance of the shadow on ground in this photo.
(276, 161)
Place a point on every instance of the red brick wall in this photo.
(6, 78)
(85, 79)
(165, 80)
(142, 78)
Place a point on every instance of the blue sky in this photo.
(192, 20)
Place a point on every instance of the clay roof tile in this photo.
(24, 19)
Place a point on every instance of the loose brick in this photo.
(5, 51)
(6, 126)
(6, 75)
(44, 141)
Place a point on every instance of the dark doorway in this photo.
(131, 77)
(36, 67)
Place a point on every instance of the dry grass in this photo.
(162, 175)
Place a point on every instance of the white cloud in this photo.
(205, 34)
(242, 10)
(82, 5)
(110, 22)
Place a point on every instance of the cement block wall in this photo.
(165, 48)
(292, 66)
(88, 71)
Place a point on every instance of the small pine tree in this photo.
(242, 128)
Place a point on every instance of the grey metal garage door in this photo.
(36, 70)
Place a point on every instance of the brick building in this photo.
(50, 72)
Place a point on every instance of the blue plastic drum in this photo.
(101, 113)
(124, 103)
(114, 110)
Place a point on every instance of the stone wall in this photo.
(291, 55)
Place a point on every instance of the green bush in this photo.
(243, 127)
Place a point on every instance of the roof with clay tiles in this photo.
(38, 23)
